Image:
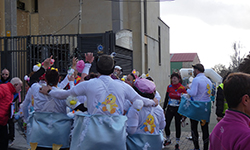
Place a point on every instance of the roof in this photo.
(182, 57)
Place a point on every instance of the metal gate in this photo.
(19, 54)
(104, 43)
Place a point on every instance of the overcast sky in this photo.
(208, 27)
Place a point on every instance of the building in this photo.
(137, 25)
(183, 60)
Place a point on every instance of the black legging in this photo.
(172, 111)
(11, 129)
(3, 137)
(195, 135)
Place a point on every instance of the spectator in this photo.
(117, 72)
(221, 103)
(130, 79)
(172, 102)
(7, 92)
(200, 92)
(5, 76)
(232, 132)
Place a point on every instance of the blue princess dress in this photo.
(47, 128)
(100, 132)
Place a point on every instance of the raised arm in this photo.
(46, 64)
(88, 61)
(63, 94)
(66, 80)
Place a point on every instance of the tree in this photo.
(236, 58)
(221, 69)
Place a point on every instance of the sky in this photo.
(208, 28)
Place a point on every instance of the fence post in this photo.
(28, 53)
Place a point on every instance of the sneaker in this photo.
(177, 147)
(11, 143)
(167, 142)
(189, 137)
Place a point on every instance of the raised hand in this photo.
(74, 62)
(89, 58)
(48, 62)
(71, 78)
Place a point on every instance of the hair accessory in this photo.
(26, 78)
(52, 68)
(135, 73)
(36, 67)
(124, 77)
(120, 68)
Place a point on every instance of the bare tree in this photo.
(221, 69)
(236, 59)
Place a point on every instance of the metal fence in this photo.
(19, 54)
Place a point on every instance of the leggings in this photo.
(195, 136)
(3, 137)
(11, 129)
(172, 111)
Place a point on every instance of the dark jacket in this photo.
(35, 77)
(219, 102)
(4, 81)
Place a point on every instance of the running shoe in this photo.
(177, 147)
(167, 142)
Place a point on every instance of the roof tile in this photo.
(182, 57)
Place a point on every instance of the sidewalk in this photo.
(19, 142)
(185, 144)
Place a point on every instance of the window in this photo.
(20, 5)
(159, 44)
(36, 6)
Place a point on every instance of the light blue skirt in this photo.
(144, 142)
(47, 128)
(99, 132)
(195, 110)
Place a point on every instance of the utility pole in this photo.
(80, 18)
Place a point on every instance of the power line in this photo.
(66, 24)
